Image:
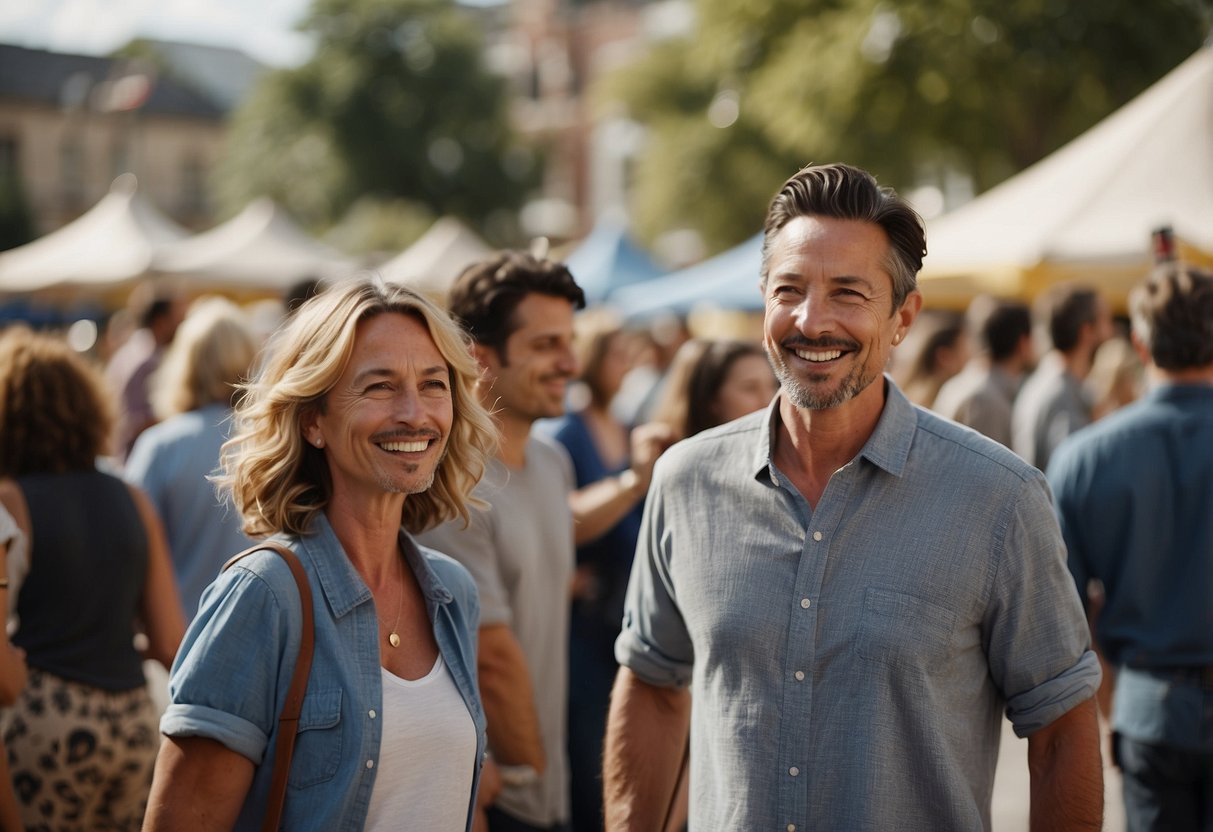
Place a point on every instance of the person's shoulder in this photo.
(547, 451)
(942, 439)
(1120, 430)
(450, 572)
(715, 443)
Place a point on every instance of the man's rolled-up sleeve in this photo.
(654, 642)
(1038, 641)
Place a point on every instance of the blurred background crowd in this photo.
(165, 205)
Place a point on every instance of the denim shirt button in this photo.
(817, 536)
(371, 713)
(370, 763)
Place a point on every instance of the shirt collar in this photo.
(888, 447)
(340, 582)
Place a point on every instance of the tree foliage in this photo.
(905, 88)
(395, 104)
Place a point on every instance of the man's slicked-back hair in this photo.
(1172, 313)
(847, 193)
(486, 294)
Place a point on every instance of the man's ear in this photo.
(1141, 348)
(909, 310)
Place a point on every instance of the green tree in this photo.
(395, 104)
(904, 88)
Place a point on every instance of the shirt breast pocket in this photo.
(318, 743)
(904, 631)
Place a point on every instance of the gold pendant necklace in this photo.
(393, 638)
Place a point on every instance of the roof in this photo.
(224, 75)
(58, 79)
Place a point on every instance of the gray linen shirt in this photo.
(849, 666)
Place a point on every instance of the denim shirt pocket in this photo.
(318, 743)
(904, 631)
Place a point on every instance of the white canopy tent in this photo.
(259, 249)
(112, 243)
(431, 264)
(1086, 211)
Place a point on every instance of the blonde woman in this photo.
(362, 419)
(192, 393)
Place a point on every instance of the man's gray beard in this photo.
(803, 397)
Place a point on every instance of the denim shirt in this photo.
(850, 664)
(1134, 493)
(231, 675)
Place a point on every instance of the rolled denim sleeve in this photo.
(1038, 641)
(654, 642)
(226, 682)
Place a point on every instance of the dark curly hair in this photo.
(1172, 314)
(55, 413)
(486, 294)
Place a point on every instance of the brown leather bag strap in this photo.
(288, 720)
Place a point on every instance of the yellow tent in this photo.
(1086, 211)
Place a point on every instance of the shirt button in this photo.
(371, 713)
(370, 763)
(794, 771)
(791, 827)
(799, 674)
(817, 535)
(804, 603)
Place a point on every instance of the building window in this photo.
(71, 173)
(193, 186)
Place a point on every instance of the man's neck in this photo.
(1186, 375)
(1077, 361)
(515, 432)
(812, 444)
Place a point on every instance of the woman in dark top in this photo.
(82, 737)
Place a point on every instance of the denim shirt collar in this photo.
(340, 582)
(887, 448)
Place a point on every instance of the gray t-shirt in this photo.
(520, 553)
(1051, 406)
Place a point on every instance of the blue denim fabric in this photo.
(850, 664)
(1165, 789)
(233, 670)
(1134, 493)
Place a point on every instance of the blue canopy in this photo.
(727, 281)
(608, 259)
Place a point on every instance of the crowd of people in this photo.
(552, 584)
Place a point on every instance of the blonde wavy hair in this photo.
(209, 357)
(276, 480)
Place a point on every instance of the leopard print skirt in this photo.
(81, 758)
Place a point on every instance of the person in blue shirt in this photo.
(363, 419)
(1134, 493)
(192, 392)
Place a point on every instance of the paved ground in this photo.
(1010, 809)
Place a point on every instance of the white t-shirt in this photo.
(427, 757)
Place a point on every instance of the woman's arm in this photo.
(160, 606)
(200, 784)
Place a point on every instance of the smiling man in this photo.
(519, 312)
(851, 589)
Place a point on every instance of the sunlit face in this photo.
(531, 374)
(830, 325)
(386, 421)
(749, 385)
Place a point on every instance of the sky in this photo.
(262, 28)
